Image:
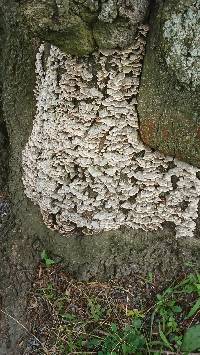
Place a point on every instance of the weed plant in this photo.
(94, 318)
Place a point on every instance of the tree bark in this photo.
(24, 234)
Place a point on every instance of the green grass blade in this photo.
(164, 339)
(194, 309)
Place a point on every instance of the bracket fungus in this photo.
(84, 163)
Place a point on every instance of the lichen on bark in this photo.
(181, 44)
(169, 106)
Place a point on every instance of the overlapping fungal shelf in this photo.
(84, 163)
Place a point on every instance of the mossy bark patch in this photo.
(120, 34)
(60, 26)
(80, 27)
(76, 38)
(169, 110)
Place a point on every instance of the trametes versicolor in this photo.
(84, 163)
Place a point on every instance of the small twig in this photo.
(122, 288)
(193, 318)
(127, 301)
(21, 325)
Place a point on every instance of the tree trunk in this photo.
(102, 255)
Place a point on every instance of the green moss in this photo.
(75, 27)
(75, 39)
(87, 10)
(37, 15)
(88, 17)
(112, 35)
(67, 31)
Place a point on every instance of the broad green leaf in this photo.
(194, 309)
(135, 313)
(69, 317)
(159, 297)
(191, 339)
(124, 348)
(137, 323)
(49, 262)
(113, 327)
(93, 343)
(177, 309)
(46, 259)
(44, 255)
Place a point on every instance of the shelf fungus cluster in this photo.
(84, 163)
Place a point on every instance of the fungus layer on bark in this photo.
(84, 163)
